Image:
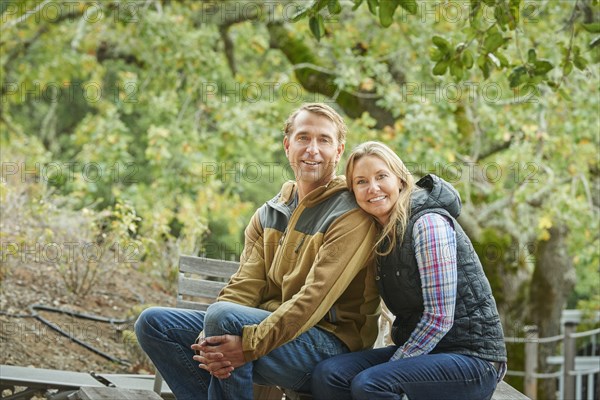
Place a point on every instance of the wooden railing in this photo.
(574, 370)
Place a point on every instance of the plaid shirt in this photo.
(434, 242)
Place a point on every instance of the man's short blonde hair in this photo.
(321, 109)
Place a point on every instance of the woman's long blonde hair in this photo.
(396, 225)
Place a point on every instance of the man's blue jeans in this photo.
(369, 375)
(166, 335)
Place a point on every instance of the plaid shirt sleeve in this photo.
(434, 241)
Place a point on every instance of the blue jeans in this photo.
(369, 375)
(166, 335)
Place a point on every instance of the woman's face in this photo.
(375, 187)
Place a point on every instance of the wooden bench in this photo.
(18, 382)
(111, 393)
(201, 280)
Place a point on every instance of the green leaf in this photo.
(315, 23)
(320, 5)
(493, 41)
(486, 69)
(553, 85)
(441, 43)
(489, 3)
(357, 4)
(530, 10)
(334, 7)
(494, 60)
(435, 54)
(567, 68)
(531, 56)
(580, 62)
(484, 65)
(410, 6)
(467, 59)
(513, 9)
(456, 70)
(373, 4)
(301, 13)
(501, 17)
(470, 32)
(593, 27)
(537, 79)
(515, 78)
(503, 60)
(542, 67)
(595, 42)
(440, 68)
(321, 24)
(386, 12)
(563, 93)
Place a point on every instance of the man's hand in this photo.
(220, 355)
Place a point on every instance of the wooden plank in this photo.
(45, 378)
(506, 392)
(199, 287)
(110, 393)
(208, 267)
(192, 305)
(291, 395)
(141, 382)
(267, 392)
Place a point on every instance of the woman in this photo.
(448, 338)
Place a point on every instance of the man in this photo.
(305, 289)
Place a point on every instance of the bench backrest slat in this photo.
(208, 267)
(199, 287)
(201, 279)
(192, 305)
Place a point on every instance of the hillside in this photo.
(26, 341)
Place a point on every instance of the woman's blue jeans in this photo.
(166, 335)
(369, 375)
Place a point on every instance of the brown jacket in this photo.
(314, 266)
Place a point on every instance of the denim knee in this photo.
(325, 371)
(145, 323)
(327, 383)
(361, 387)
(221, 319)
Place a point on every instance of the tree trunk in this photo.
(552, 282)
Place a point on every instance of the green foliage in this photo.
(489, 26)
(174, 138)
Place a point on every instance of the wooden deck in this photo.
(506, 392)
(133, 387)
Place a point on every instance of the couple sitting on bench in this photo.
(301, 312)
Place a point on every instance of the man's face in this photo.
(312, 149)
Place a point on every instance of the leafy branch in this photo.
(491, 36)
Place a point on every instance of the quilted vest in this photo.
(477, 330)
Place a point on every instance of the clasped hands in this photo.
(219, 355)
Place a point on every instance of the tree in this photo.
(180, 105)
(490, 25)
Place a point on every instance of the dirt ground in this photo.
(26, 341)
